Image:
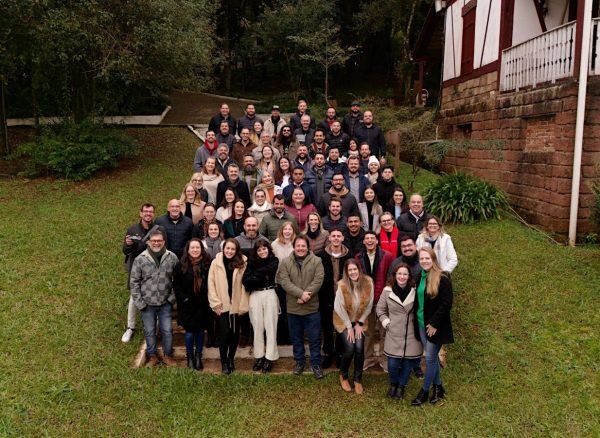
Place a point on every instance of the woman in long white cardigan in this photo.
(434, 236)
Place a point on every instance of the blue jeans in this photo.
(149, 315)
(190, 337)
(352, 350)
(311, 324)
(399, 369)
(432, 362)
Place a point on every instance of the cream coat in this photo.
(217, 288)
(444, 250)
(197, 210)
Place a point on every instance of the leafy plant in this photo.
(458, 197)
(76, 150)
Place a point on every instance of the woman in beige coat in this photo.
(228, 299)
(191, 204)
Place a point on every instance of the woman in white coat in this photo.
(434, 236)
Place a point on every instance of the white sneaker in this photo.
(127, 335)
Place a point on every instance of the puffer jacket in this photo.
(151, 285)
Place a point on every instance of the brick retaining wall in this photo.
(537, 128)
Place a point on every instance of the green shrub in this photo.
(462, 198)
(75, 151)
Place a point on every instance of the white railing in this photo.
(545, 58)
(595, 48)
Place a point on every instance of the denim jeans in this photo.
(352, 350)
(196, 337)
(432, 361)
(399, 369)
(311, 324)
(149, 316)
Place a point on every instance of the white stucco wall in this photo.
(489, 44)
(526, 22)
(558, 13)
(453, 46)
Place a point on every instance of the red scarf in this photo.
(390, 244)
(212, 147)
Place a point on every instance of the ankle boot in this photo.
(400, 393)
(225, 368)
(421, 398)
(437, 394)
(190, 361)
(198, 361)
(392, 391)
(231, 365)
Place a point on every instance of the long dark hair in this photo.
(392, 279)
(278, 175)
(224, 203)
(404, 204)
(254, 255)
(200, 268)
(281, 138)
(237, 262)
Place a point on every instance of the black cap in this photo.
(275, 108)
(355, 102)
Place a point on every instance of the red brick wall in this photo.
(537, 129)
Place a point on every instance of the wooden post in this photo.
(578, 36)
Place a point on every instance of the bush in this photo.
(75, 151)
(462, 198)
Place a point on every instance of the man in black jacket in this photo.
(248, 120)
(334, 257)
(337, 138)
(177, 226)
(223, 115)
(224, 136)
(295, 120)
(373, 135)
(353, 119)
(239, 187)
(409, 255)
(134, 244)
(304, 133)
(413, 221)
(327, 122)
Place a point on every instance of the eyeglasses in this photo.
(156, 241)
(386, 220)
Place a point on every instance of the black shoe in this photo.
(421, 398)
(392, 391)
(327, 361)
(400, 393)
(190, 361)
(231, 365)
(298, 368)
(318, 372)
(258, 364)
(267, 366)
(418, 373)
(225, 368)
(437, 394)
(198, 361)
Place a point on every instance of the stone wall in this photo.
(537, 130)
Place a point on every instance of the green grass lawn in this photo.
(525, 316)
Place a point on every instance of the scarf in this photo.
(318, 171)
(197, 271)
(157, 256)
(211, 146)
(339, 194)
(313, 234)
(421, 297)
(401, 292)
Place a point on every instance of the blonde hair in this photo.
(424, 231)
(434, 275)
(183, 198)
(196, 175)
(307, 227)
(280, 232)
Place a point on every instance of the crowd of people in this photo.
(294, 230)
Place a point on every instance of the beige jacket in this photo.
(218, 290)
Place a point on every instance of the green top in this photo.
(421, 296)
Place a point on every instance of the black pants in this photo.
(229, 335)
(283, 334)
(326, 311)
(354, 351)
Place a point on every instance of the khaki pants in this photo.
(375, 333)
(264, 311)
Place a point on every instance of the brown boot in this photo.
(358, 388)
(169, 361)
(345, 384)
(152, 361)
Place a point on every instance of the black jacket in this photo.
(260, 275)
(385, 190)
(178, 233)
(215, 124)
(374, 137)
(308, 136)
(341, 141)
(239, 187)
(193, 311)
(329, 286)
(408, 224)
(350, 123)
(436, 311)
(354, 243)
(295, 121)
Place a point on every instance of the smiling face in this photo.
(402, 276)
(365, 151)
(287, 232)
(262, 252)
(300, 248)
(190, 194)
(369, 194)
(156, 243)
(260, 197)
(305, 122)
(298, 196)
(334, 154)
(223, 152)
(353, 165)
(425, 260)
(336, 128)
(313, 221)
(319, 137)
(233, 172)
(302, 106)
(336, 238)
(416, 204)
(267, 178)
(213, 231)
(284, 164)
(338, 182)
(433, 227)
(147, 215)
(353, 272)
(370, 242)
(278, 205)
(408, 248)
(229, 250)
(174, 208)
(368, 118)
(387, 222)
(353, 224)
(267, 153)
(238, 209)
(224, 110)
(251, 227)
(245, 134)
(210, 164)
(335, 208)
(210, 136)
(398, 197)
(250, 110)
(229, 196)
(209, 213)
(194, 249)
(258, 127)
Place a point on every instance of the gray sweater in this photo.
(151, 285)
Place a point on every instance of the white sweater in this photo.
(444, 251)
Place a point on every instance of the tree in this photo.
(83, 57)
(323, 47)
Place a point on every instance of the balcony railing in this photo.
(545, 58)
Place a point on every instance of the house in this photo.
(510, 70)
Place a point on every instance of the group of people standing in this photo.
(311, 239)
